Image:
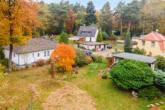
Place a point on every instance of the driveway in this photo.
(105, 53)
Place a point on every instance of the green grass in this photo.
(120, 46)
(15, 92)
(106, 94)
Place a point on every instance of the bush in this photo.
(104, 76)
(40, 63)
(160, 64)
(97, 59)
(150, 92)
(81, 47)
(160, 79)
(139, 51)
(64, 38)
(114, 37)
(2, 70)
(129, 74)
(81, 58)
(105, 36)
(4, 62)
(2, 56)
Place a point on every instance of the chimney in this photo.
(157, 30)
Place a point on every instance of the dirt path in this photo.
(69, 97)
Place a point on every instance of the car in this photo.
(88, 52)
(109, 46)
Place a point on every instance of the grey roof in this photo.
(34, 45)
(92, 30)
(146, 59)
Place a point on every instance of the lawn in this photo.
(16, 93)
(106, 94)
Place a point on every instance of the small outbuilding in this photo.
(115, 58)
(94, 45)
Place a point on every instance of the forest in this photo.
(140, 17)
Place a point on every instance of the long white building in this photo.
(34, 50)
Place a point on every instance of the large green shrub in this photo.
(129, 74)
(160, 79)
(99, 36)
(150, 92)
(139, 51)
(160, 64)
(64, 38)
(81, 58)
(105, 36)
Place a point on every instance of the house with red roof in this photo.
(153, 44)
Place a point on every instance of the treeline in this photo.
(140, 17)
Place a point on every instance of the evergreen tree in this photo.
(131, 13)
(64, 38)
(90, 18)
(60, 29)
(106, 19)
(127, 46)
(99, 37)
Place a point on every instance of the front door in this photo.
(90, 39)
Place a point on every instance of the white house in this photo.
(89, 32)
(34, 50)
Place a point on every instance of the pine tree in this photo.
(127, 46)
(90, 18)
(64, 38)
(99, 37)
(106, 18)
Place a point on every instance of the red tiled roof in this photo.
(153, 36)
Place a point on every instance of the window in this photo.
(33, 54)
(38, 54)
(153, 44)
(48, 53)
(86, 33)
(45, 54)
(143, 42)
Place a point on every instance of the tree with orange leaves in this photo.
(17, 20)
(69, 22)
(64, 55)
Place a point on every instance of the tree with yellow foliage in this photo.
(153, 16)
(17, 20)
(64, 56)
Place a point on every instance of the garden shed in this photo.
(117, 57)
(94, 45)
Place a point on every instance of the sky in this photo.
(98, 3)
